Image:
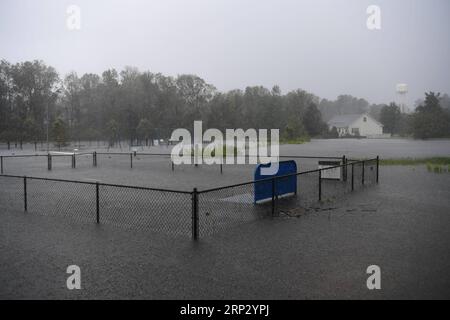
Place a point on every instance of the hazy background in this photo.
(322, 46)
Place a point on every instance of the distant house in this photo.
(358, 125)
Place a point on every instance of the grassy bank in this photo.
(443, 161)
(434, 164)
(295, 140)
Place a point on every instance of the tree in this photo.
(405, 126)
(344, 104)
(333, 133)
(430, 120)
(31, 130)
(390, 117)
(34, 87)
(6, 108)
(59, 133)
(112, 129)
(294, 130)
(144, 130)
(195, 94)
(375, 111)
(295, 105)
(139, 105)
(313, 121)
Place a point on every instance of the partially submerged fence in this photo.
(196, 213)
(220, 208)
(51, 161)
(163, 210)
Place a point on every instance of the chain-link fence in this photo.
(221, 208)
(28, 163)
(196, 213)
(370, 172)
(165, 211)
(61, 198)
(19, 164)
(11, 193)
(306, 197)
(160, 210)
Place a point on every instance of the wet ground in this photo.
(400, 225)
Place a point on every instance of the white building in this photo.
(361, 125)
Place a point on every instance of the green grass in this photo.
(441, 161)
(434, 164)
(300, 140)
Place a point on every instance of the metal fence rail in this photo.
(196, 213)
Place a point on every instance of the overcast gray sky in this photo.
(322, 46)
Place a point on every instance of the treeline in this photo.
(141, 106)
(138, 105)
(431, 118)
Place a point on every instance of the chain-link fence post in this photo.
(131, 160)
(1, 164)
(344, 168)
(378, 166)
(320, 185)
(49, 161)
(25, 194)
(195, 214)
(362, 178)
(94, 158)
(97, 201)
(353, 176)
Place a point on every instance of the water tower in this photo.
(402, 90)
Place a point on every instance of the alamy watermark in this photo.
(73, 21)
(74, 280)
(237, 146)
(374, 280)
(374, 19)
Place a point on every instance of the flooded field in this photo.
(385, 148)
(401, 225)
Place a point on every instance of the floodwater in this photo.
(401, 225)
(368, 148)
(359, 148)
(155, 171)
